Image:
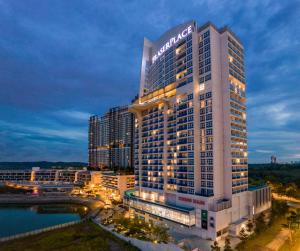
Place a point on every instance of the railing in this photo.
(221, 205)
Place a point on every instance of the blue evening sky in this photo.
(61, 61)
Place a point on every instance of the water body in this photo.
(20, 219)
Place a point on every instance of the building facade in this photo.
(116, 184)
(190, 130)
(37, 175)
(111, 139)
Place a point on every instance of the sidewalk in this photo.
(279, 240)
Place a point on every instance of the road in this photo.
(282, 197)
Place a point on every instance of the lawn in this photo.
(85, 236)
(264, 237)
(281, 214)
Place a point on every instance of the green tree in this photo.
(243, 236)
(260, 223)
(292, 218)
(291, 190)
(215, 247)
(227, 246)
(279, 188)
(160, 233)
(298, 216)
(250, 226)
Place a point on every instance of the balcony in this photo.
(221, 205)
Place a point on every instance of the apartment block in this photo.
(111, 139)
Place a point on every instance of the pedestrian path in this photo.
(279, 240)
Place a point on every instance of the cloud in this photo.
(263, 151)
(61, 61)
(74, 114)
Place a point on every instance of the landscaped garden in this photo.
(136, 228)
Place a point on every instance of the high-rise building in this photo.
(190, 131)
(110, 139)
(273, 159)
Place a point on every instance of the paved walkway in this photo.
(279, 240)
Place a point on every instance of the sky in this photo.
(62, 61)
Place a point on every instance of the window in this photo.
(208, 95)
(209, 116)
(209, 124)
(208, 131)
(207, 77)
(207, 68)
(190, 70)
(206, 34)
(207, 61)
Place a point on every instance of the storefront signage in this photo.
(190, 200)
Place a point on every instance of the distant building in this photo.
(117, 184)
(110, 139)
(37, 175)
(273, 159)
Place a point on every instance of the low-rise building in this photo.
(15, 175)
(117, 184)
(38, 175)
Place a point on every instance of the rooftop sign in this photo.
(171, 42)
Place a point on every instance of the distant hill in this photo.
(41, 164)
